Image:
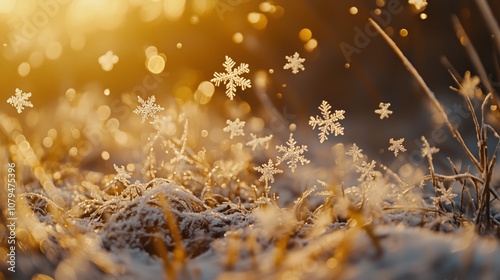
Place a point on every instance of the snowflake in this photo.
(294, 63)
(262, 141)
(397, 146)
(108, 60)
(427, 150)
(446, 195)
(355, 152)
(121, 174)
(268, 171)
(148, 108)
(469, 85)
(419, 4)
(232, 78)
(20, 100)
(329, 122)
(367, 171)
(384, 111)
(234, 127)
(292, 154)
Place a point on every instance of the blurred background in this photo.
(51, 48)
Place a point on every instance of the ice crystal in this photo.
(397, 146)
(419, 4)
(383, 110)
(20, 100)
(292, 154)
(367, 171)
(108, 60)
(121, 174)
(355, 152)
(469, 85)
(446, 196)
(268, 171)
(232, 77)
(148, 108)
(328, 123)
(259, 141)
(427, 150)
(294, 63)
(234, 127)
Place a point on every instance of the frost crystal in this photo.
(367, 171)
(355, 152)
(20, 100)
(383, 110)
(268, 171)
(397, 146)
(292, 154)
(234, 127)
(121, 174)
(427, 150)
(108, 60)
(148, 108)
(232, 77)
(446, 195)
(294, 63)
(262, 141)
(469, 85)
(328, 123)
(419, 4)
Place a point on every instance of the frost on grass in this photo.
(108, 60)
(259, 141)
(355, 152)
(235, 128)
(383, 110)
(294, 63)
(148, 109)
(397, 146)
(292, 154)
(20, 100)
(231, 78)
(268, 171)
(328, 122)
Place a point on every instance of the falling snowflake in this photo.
(397, 146)
(419, 4)
(292, 154)
(427, 150)
(468, 87)
(232, 77)
(108, 60)
(20, 100)
(268, 171)
(355, 152)
(148, 108)
(294, 63)
(256, 141)
(367, 171)
(446, 195)
(329, 122)
(121, 174)
(234, 127)
(383, 110)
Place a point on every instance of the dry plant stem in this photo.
(414, 209)
(490, 21)
(429, 93)
(474, 56)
